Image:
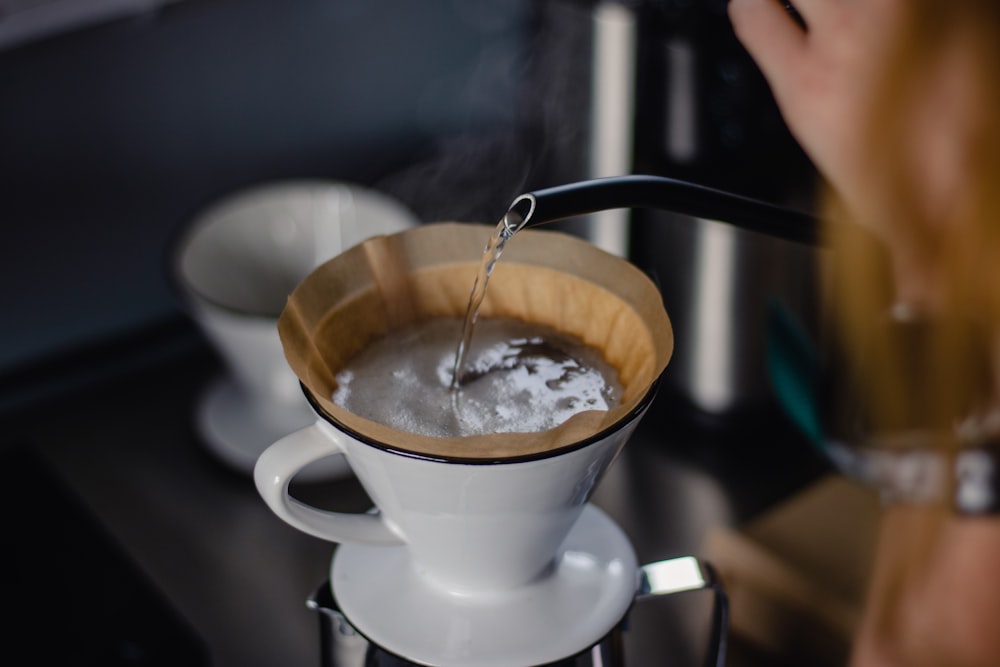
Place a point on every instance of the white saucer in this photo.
(237, 431)
(576, 606)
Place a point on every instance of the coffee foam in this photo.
(519, 377)
(544, 276)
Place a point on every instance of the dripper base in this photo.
(587, 594)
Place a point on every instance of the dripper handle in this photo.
(280, 462)
(667, 194)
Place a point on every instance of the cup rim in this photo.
(190, 296)
(629, 416)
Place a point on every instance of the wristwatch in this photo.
(966, 479)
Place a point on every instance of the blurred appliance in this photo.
(675, 94)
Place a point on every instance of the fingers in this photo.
(813, 12)
(771, 35)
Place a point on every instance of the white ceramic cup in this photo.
(234, 267)
(471, 526)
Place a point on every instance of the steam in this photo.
(523, 122)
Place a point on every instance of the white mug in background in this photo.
(233, 267)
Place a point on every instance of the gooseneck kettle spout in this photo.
(658, 192)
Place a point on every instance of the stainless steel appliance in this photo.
(663, 87)
(702, 112)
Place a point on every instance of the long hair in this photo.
(951, 240)
(953, 243)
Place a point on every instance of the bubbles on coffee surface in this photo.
(519, 377)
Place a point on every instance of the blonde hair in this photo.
(956, 247)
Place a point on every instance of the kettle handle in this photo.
(660, 192)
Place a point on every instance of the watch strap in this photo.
(967, 480)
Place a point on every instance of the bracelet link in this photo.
(976, 482)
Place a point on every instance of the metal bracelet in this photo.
(967, 480)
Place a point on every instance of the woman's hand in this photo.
(829, 81)
(938, 611)
(825, 77)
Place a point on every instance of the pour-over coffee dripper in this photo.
(387, 595)
(487, 541)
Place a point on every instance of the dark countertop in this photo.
(238, 577)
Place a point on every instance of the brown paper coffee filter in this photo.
(544, 277)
